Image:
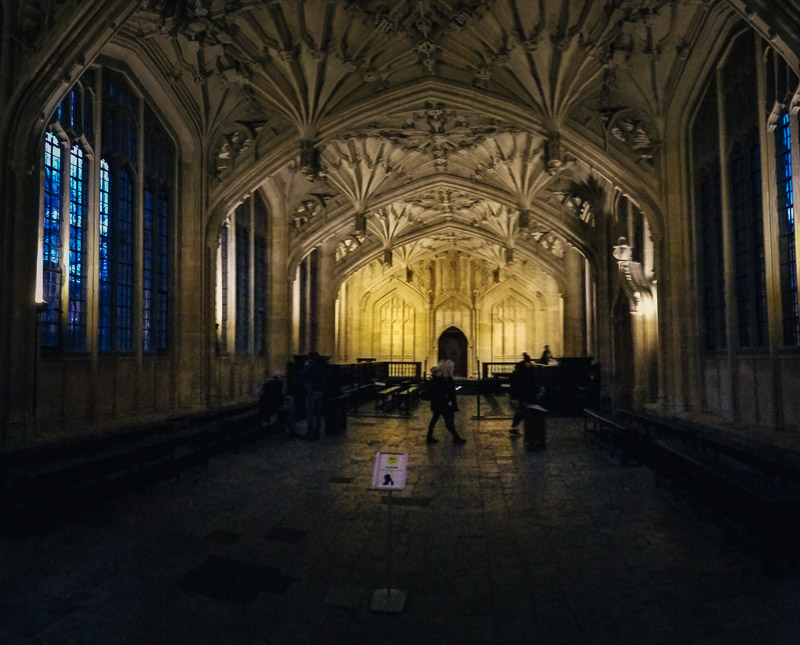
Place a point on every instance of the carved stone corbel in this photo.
(634, 282)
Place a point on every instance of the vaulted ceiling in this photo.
(488, 125)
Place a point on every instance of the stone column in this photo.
(20, 336)
(325, 306)
(278, 314)
(574, 305)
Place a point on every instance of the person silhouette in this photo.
(387, 480)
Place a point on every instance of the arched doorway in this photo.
(453, 346)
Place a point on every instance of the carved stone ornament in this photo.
(444, 202)
(553, 161)
(309, 208)
(634, 282)
(348, 246)
(436, 130)
(423, 24)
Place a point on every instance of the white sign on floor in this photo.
(389, 472)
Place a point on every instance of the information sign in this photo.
(389, 472)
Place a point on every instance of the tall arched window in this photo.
(76, 320)
(158, 221)
(708, 207)
(77, 131)
(242, 279)
(51, 242)
(786, 233)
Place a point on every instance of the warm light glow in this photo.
(39, 295)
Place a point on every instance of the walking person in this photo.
(524, 390)
(441, 390)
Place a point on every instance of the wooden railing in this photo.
(491, 369)
(405, 369)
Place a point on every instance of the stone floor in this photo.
(285, 543)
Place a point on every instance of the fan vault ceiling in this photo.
(392, 170)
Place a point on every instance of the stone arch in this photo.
(392, 323)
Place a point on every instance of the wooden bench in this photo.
(610, 433)
(385, 398)
(408, 397)
(358, 394)
(771, 461)
(767, 513)
(659, 428)
(44, 479)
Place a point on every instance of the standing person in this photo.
(547, 356)
(441, 390)
(270, 400)
(524, 389)
(314, 381)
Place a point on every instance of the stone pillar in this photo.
(574, 305)
(279, 313)
(20, 336)
(325, 306)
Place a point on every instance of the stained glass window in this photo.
(708, 208)
(147, 271)
(786, 235)
(162, 302)
(223, 324)
(124, 258)
(51, 243)
(76, 315)
(242, 280)
(120, 177)
(260, 293)
(105, 269)
(159, 182)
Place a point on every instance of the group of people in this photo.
(278, 408)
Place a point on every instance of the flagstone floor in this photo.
(285, 543)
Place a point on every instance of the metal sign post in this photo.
(389, 474)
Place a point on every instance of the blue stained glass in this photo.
(73, 107)
(124, 262)
(76, 319)
(788, 259)
(147, 271)
(49, 332)
(104, 270)
(163, 269)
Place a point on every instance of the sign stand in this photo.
(389, 474)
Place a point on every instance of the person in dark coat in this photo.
(441, 390)
(524, 389)
(314, 378)
(270, 400)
